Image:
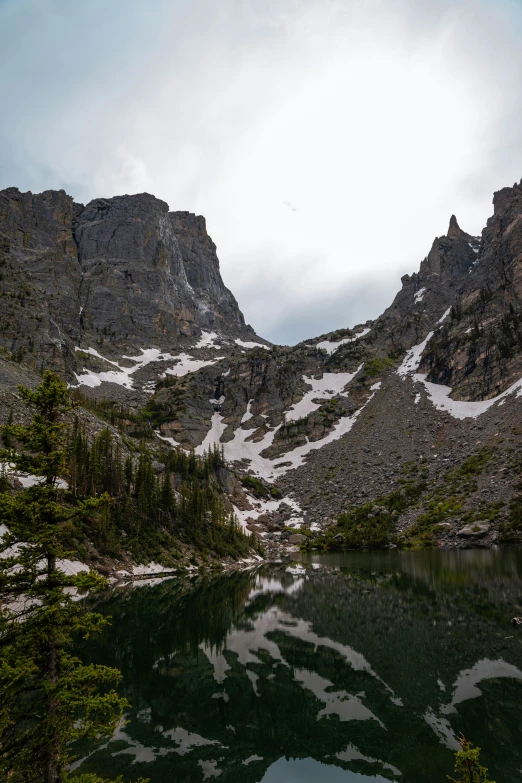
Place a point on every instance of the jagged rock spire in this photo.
(454, 229)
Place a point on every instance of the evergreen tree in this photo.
(167, 494)
(468, 766)
(6, 439)
(47, 697)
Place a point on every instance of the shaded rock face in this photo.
(134, 288)
(216, 303)
(479, 352)
(121, 273)
(40, 277)
(337, 421)
(425, 296)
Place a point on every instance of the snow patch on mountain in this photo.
(324, 388)
(213, 436)
(460, 409)
(245, 516)
(412, 360)
(440, 394)
(122, 376)
(207, 340)
(242, 447)
(246, 344)
(248, 413)
(330, 346)
(186, 364)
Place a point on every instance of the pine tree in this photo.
(468, 766)
(167, 494)
(47, 697)
(6, 438)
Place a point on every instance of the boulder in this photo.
(476, 530)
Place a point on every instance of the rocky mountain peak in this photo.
(454, 230)
(118, 275)
(506, 202)
(125, 299)
(427, 294)
(33, 221)
(480, 353)
(451, 256)
(216, 303)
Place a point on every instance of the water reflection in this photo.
(342, 668)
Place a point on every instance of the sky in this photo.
(327, 142)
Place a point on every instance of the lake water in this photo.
(343, 669)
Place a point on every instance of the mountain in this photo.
(407, 426)
(117, 275)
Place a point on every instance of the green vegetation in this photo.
(329, 413)
(456, 311)
(160, 500)
(449, 497)
(157, 412)
(48, 698)
(293, 428)
(438, 509)
(473, 465)
(467, 764)
(376, 366)
(372, 524)
(90, 777)
(514, 523)
(259, 489)
(166, 405)
(509, 337)
(151, 514)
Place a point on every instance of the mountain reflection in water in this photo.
(364, 666)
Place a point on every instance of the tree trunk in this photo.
(53, 751)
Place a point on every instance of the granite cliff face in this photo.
(40, 277)
(126, 300)
(119, 275)
(217, 306)
(479, 352)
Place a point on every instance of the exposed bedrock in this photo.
(119, 275)
(334, 422)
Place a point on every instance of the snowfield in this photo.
(186, 364)
(247, 344)
(439, 394)
(330, 347)
(207, 340)
(330, 385)
(413, 358)
(242, 448)
(123, 375)
(460, 409)
(264, 506)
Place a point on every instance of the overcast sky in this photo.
(327, 142)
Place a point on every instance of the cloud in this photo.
(326, 142)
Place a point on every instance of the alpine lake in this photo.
(344, 668)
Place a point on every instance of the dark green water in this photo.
(343, 669)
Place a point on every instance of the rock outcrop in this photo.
(479, 351)
(217, 307)
(118, 275)
(126, 300)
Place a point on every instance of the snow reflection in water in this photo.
(361, 669)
